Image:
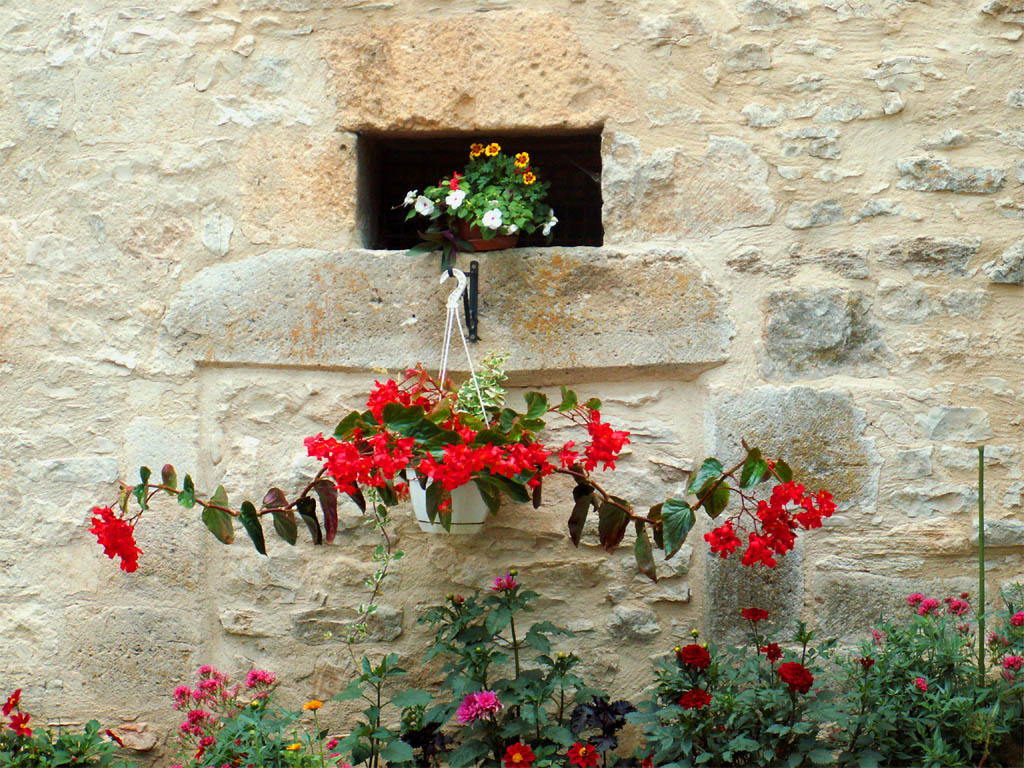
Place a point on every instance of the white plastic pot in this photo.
(469, 511)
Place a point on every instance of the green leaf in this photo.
(219, 523)
(327, 492)
(352, 692)
(559, 735)
(820, 757)
(536, 404)
(584, 496)
(468, 754)
(497, 620)
(139, 492)
(412, 698)
(345, 426)
(307, 510)
(717, 501)
(677, 519)
(784, 472)
(285, 525)
(491, 496)
(220, 497)
(422, 248)
(401, 418)
(144, 474)
(435, 492)
(711, 469)
(187, 497)
(868, 759)
(643, 553)
(754, 469)
(611, 523)
(515, 491)
(568, 400)
(169, 476)
(593, 404)
(251, 522)
(274, 499)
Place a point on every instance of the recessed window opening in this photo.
(391, 165)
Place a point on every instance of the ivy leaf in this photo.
(612, 522)
(569, 400)
(643, 553)
(187, 497)
(307, 510)
(677, 518)
(285, 525)
(251, 522)
(754, 469)
(219, 523)
(710, 470)
(328, 494)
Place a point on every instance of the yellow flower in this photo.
(294, 747)
(492, 149)
(522, 159)
(529, 178)
(312, 704)
(475, 150)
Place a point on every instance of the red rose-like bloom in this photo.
(796, 677)
(695, 656)
(12, 702)
(583, 755)
(19, 724)
(1017, 619)
(695, 698)
(519, 756)
(771, 651)
(754, 614)
(117, 537)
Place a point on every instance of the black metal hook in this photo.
(470, 300)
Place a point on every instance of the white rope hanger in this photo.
(451, 323)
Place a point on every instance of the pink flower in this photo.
(332, 744)
(914, 599)
(1017, 619)
(958, 607)
(878, 636)
(181, 696)
(477, 705)
(505, 583)
(1013, 662)
(921, 683)
(928, 605)
(259, 677)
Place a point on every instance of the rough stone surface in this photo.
(245, 311)
(928, 175)
(966, 423)
(927, 256)
(821, 332)
(819, 214)
(1009, 267)
(633, 623)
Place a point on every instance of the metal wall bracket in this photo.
(470, 300)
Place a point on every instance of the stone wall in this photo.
(813, 239)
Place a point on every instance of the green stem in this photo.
(981, 565)
(515, 642)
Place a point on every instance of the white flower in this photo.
(424, 205)
(410, 198)
(455, 198)
(550, 223)
(492, 219)
(511, 229)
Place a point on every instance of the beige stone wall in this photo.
(813, 238)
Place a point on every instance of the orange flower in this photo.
(492, 149)
(522, 160)
(313, 704)
(475, 150)
(529, 178)
(294, 747)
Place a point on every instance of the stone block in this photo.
(819, 433)
(927, 256)
(821, 332)
(551, 310)
(914, 463)
(964, 423)
(1009, 267)
(927, 175)
(817, 214)
(627, 623)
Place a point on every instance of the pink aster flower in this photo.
(921, 683)
(477, 705)
(504, 583)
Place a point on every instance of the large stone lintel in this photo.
(553, 310)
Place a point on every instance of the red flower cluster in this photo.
(754, 614)
(605, 443)
(796, 676)
(956, 607)
(775, 524)
(117, 537)
(694, 656)
(772, 652)
(695, 698)
(519, 755)
(19, 719)
(583, 755)
(1017, 619)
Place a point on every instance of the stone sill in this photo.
(554, 310)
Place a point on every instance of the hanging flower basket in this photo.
(469, 510)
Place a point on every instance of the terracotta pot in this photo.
(475, 237)
(469, 510)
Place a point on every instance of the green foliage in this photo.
(62, 747)
(489, 379)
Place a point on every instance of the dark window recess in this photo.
(391, 166)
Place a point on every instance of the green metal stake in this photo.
(981, 565)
